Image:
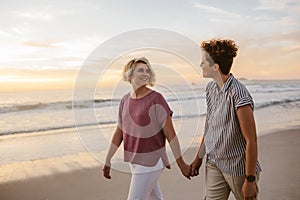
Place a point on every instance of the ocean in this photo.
(40, 124)
(27, 112)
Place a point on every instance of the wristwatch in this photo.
(250, 178)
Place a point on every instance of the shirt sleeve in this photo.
(162, 109)
(120, 113)
(242, 97)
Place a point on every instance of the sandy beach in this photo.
(79, 176)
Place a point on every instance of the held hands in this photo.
(195, 166)
(192, 170)
(185, 170)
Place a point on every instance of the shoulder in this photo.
(240, 93)
(158, 98)
(125, 97)
(156, 95)
(209, 87)
(238, 88)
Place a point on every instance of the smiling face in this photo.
(140, 76)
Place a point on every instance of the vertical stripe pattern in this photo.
(224, 143)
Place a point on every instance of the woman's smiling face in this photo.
(141, 75)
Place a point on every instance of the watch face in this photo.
(250, 178)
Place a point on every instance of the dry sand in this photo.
(79, 177)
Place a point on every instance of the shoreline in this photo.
(80, 176)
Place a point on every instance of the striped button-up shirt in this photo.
(224, 142)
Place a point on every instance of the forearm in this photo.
(201, 152)
(176, 150)
(251, 157)
(173, 141)
(115, 143)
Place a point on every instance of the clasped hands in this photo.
(187, 170)
(191, 170)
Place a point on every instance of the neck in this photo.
(221, 79)
(140, 92)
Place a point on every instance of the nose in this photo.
(145, 73)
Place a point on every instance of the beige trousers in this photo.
(219, 185)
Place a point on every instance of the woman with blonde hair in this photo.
(144, 124)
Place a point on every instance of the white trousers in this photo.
(145, 186)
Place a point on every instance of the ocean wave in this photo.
(276, 102)
(43, 129)
(60, 105)
(175, 117)
(35, 130)
(83, 104)
(264, 91)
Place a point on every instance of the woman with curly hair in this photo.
(229, 141)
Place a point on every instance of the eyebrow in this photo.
(147, 69)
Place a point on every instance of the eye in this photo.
(148, 71)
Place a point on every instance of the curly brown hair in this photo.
(222, 52)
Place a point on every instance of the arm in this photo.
(247, 124)
(115, 143)
(170, 134)
(196, 164)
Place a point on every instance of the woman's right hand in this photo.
(106, 171)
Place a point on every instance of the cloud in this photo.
(35, 15)
(293, 36)
(22, 29)
(292, 49)
(26, 79)
(277, 5)
(287, 21)
(214, 10)
(270, 5)
(39, 44)
(4, 34)
(278, 40)
(43, 13)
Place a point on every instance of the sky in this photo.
(43, 44)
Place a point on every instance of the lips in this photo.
(144, 79)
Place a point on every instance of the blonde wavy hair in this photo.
(130, 66)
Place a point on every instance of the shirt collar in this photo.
(227, 83)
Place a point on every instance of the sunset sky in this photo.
(43, 44)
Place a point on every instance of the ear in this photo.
(216, 67)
